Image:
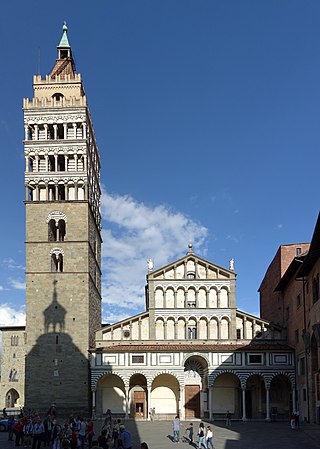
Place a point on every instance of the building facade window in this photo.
(315, 288)
(192, 332)
(137, 359)
(299, 300)
(302, 367)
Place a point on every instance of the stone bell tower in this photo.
(63, 238)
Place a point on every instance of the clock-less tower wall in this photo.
(63, 238)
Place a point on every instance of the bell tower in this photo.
(63, 238)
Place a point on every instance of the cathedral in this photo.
(191, 352)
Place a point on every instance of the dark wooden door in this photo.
(139, 404)
(192, 401)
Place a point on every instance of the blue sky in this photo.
(206, 116)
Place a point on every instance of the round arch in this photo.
(110, 394)
(165, 394)
(280, 396)
(256, 397)
(226, 395)
(138, 404)
(12, 397)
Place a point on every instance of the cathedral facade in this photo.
(192, 352)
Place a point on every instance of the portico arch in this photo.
(256, 397)
(111, 394)
(165, 395)
(226, 395)
(280, 396)
(196, 387)
(138, 403)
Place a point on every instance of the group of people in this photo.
(205, 434)
(33, 432)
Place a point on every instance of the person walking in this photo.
(38, 434)
(176, 429)
(209, 437)
(202, 436)
(27, 433)
(190, 430)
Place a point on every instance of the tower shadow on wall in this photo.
(55, 369)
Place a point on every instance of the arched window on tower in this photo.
(56, 260)
(52, 231)
(62, 230)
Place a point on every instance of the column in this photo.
(36, 132)
(65, 162)
(127, 402)
(93, 404)
(84, 162)
(293, 393)
(55, 132)
(37, 193)
(197, 298)
(253, 328)
(175, 330)
(181, 408)
(165, 330)
(185, 270)
(218, 299)
(149, 404)
(175, 298)
(27, 163)
(84, 130)
(244, 328)
(36, 163)
(75, 130)
(45, 131)
(65, 131)
(139, 329)
(55, 162)
(75, 190)
(268, 403)
(244, 416)
(47, 192)
(27, 193)
(26, 134)
(47, 162)
(210, 402)
(207, 299)
(66, 191)
(56, 192)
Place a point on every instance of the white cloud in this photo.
(18, 285)
(12, 317)
(11, 263)
(134, 233)
(1, 288)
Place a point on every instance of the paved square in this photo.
(248, 435)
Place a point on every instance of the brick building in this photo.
(289, 296)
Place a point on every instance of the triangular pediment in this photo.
(191, 266)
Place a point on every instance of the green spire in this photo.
(64, 39)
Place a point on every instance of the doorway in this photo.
(139, 400)
(192, 404)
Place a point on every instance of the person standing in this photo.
(38, 434)
(202, 436)
(209, 437)
(228, 419)
(82, 432)
(125, 437)
(176, 429)
(27, 433)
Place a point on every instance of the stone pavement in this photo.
(247, 435)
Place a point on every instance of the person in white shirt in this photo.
(209, 437)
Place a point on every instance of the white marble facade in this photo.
(192, 352)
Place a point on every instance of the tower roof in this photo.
(64, 39)
(64, 64)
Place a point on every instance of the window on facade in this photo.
(191, 304)
(56, 232)
(296, 334)
(238, 334)
(298, 251)
(137, 359)
(255, 358)
(192, 332)
(57, 263)
(191, 275)
(14, 340)
(299, 300)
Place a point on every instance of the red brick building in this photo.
(289, 296)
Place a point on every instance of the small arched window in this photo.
(57, 96)
(56, 226)
(56, 260)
